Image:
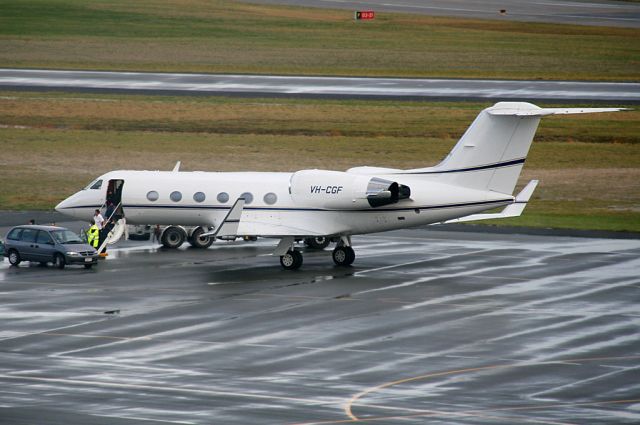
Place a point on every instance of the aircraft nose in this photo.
(62, 206)
(69, 206)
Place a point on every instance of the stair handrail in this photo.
(107, 239)
(114, 211)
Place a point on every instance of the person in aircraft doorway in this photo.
(102, 231)
(110, 217)
(93, 236)
(110, 210)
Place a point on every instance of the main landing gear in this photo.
(343, 255)
(319, 242)
(291, 258)
(174, 236)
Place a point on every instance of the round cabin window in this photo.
(270, 198)
(248, 197)
(175, 196)
(223, 197)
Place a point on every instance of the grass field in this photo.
(55, 143)
(235, 37)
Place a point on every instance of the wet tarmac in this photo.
(428, 326)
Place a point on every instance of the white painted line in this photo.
(359, 351)
(166, 389)
(137, 418)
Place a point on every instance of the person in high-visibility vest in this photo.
(93, 236)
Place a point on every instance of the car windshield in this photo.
(65, 237)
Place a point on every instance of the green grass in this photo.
(589, 179)
(357, 118)
(225, 36)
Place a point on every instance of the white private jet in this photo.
(479, 174)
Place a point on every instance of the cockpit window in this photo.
(96, 184)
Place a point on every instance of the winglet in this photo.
(177, 167)
(512, 210)
(229, 226)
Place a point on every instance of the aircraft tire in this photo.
(343, 256)
(319, 242)
(200, 242)
(292, 260)
(173, 237)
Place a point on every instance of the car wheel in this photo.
(58, 261)
(14, 257)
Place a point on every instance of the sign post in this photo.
(364, 15)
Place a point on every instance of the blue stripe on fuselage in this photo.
(476, 168)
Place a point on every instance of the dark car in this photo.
(46, 244)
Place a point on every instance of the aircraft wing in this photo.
(512, 210)
(260, 228)
(232, 225)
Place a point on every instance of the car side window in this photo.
(44, 238)
(28, 235)
(14, 235)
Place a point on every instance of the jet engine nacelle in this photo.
(339, 190)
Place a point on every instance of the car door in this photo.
(44, 248)
(27, 248)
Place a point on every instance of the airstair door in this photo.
(114, 197)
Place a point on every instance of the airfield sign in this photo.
(361, 15)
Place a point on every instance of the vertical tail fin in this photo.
(491, 153)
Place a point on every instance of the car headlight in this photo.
(72, 254)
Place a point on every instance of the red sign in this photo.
(365, 15)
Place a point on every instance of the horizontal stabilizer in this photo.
(512, 210)
(229, 226)
(521, 109)
(526, 192)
